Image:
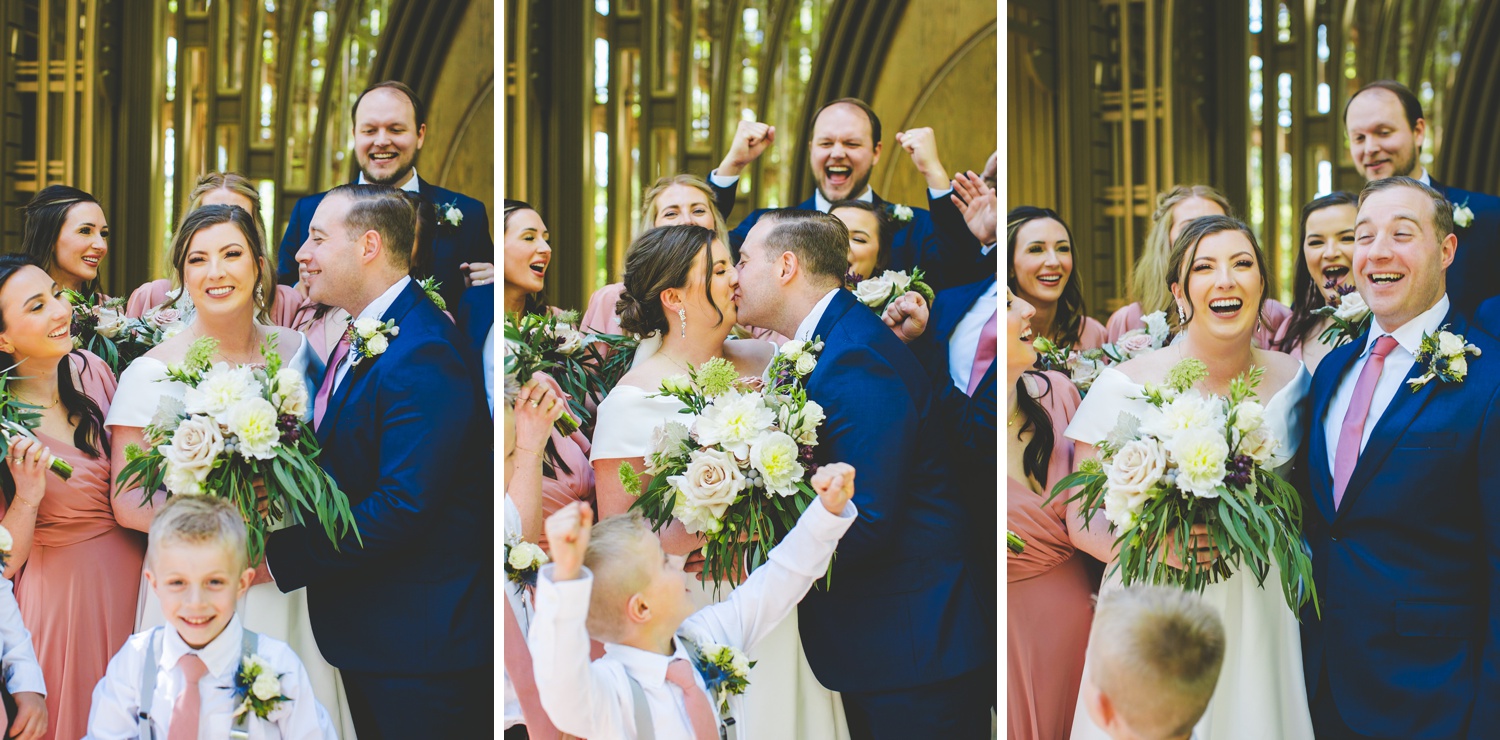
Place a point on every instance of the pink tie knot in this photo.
(1383, 346)
(193, 668)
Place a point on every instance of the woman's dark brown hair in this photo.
(535, 303)
(1070, 309)
(213, 215)
(1308, 294)
(885, 230)
(44, 216)
(660, 259)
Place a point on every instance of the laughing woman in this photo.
(77, 571)
(1328, 254)
(1039, 248)
(66, 235)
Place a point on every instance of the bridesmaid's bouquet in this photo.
(234, 428)
(587, 366)
(1350, 315)
(1194, 459)
(877, 292)
(100, 327)
(736, 470)
(1083, 367)
(18, 418)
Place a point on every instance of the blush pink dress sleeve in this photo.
(599, 317)
(1093, 336)
(79, 587)
(1280, 336)
(1274, 316)
(1125, 320)
(147, 297)
(563, 487)
(286, 306)
(1048, 591)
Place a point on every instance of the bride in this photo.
(221, 263)
(1218, 275)
(680, 293)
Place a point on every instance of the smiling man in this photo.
(389, 129)
(843, 147)
(1386, 132)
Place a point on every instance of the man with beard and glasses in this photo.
(843, 147)
(389, 127)
(1386, 131)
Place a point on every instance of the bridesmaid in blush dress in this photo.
(77, 571)
(1048, 584)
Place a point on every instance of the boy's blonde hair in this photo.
(617, 556)
(1155, 653)
(197, 520)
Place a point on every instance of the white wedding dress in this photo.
(784, 696)
(264, 609)
(1261, 694)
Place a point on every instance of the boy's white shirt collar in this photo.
(645, 666)
(220, 655)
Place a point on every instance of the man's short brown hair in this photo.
(385, 211)
(820, 241)
(400, 87)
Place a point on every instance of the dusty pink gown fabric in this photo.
(79, 587)
(1048, 593)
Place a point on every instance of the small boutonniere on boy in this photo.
(451, 214)
(1445, 355)
(725, 670)
(256, 688)
(370, 338)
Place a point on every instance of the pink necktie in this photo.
(705, 726)
(320, 403)
(1353, 429)
(523, 680)
(185, 710)
(984, 356)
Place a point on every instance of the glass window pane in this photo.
(793, 69)
(669, 28)
(309, 72)
(701, 77)
(233, 30)
(267, 81)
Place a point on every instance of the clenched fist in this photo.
(835, 486)
(568, 536)
(751, 140)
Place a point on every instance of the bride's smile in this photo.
(1224, 279)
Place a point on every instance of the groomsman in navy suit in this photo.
(1403, 513)
(1386, 131)
(844, 145)
(475, 317)
(389, 128)
(899, 633)
(406, 612)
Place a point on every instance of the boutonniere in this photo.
(1015, 544)
(726, 671)
(6, 543)
(1462, 216)
(523, 560)
(794, 361)
(451, 214)
(256, 688)
(1446, 356)
(878, 292)
(431, 286)
(1351, 317)
(369, 337)
(901, 213)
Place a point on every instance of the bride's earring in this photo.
(1181, 316)
(682, 316)
(260, 294)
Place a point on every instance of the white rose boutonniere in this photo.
(522, 561)
(370, 338)
(902, 213)
(1462, 216)
(257, 688)
(1445, 355)
(451, 214)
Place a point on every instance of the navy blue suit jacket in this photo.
(408, 440)
(1475, 270)
(939, 241)
(476, 314)
(1408, 566)
(902, 611)
(469, 241)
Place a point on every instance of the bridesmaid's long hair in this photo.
(535, 303)
(44, 216)
(1308, 293)
(89, 434)
(1038, 455)
(1070, 313)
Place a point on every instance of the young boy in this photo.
(637, 600)
(178, 680)
(1154, 657)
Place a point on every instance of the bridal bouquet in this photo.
(101, 328)
(234, 427)
(736, 470)
(878, 292)
(1351, 317)
(1194, 459)
(587, 366)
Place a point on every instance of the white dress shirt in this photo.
(594, 700)
(489, 368)
(17, 657)
(375, 310)
(117, 702)
(1392, 376)
(819, 202)
(810, 322)
(963, 344)
(1425, 179)
(411, 185)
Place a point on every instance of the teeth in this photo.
(1228, 304)
(219, 291)
(1385, 277)
(1049, 279)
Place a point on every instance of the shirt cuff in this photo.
(988, 248)
(25, 676)
(938, 194)
(722, 182)
(569, 600)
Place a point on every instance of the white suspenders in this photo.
(240, 729)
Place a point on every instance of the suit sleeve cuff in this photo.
(938, 194)
(722, 182)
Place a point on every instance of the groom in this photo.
(407, 613)
(899, 633)
(1404, 518)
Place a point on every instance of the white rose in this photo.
(524, 555)
(1260, 444)
(774, 455)
(793, 348)
(195, 446)
(806, 364)
(291, 393)
(6, 541)
(732, 421)
(1188, 412)
(1351, 308)
(255, 662)
(266, 686)
(454, 215)
(711, 482)
(1449, 345)
(898, 279)
(253, 423)
(802, 425)
(696, 519)
(874, 292)
(569, 340)
(677, 384)
(1459, 365)
(181, 481)
(1134, 344)
(110, 323)
(1200, 462)
(739, 662)
(902, 213)
(1085, 371)
(1156, 326)
(1248, 416)
(1121, 510)
(222, 388)
(1137, 467)
(366, 327)
(172, 330)
(1462, 216)
(377, 344)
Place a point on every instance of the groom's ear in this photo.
(369, 246)
(787, 266)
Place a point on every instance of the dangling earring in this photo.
(1181, 316)
(682, 316)
(260, 293)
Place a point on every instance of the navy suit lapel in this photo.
(842, 301)
(404, 302)
(811, 204)
(956, 305)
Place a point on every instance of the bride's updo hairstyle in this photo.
(1185, 250)
(213, 215)
(89, 436)
(660, 259)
